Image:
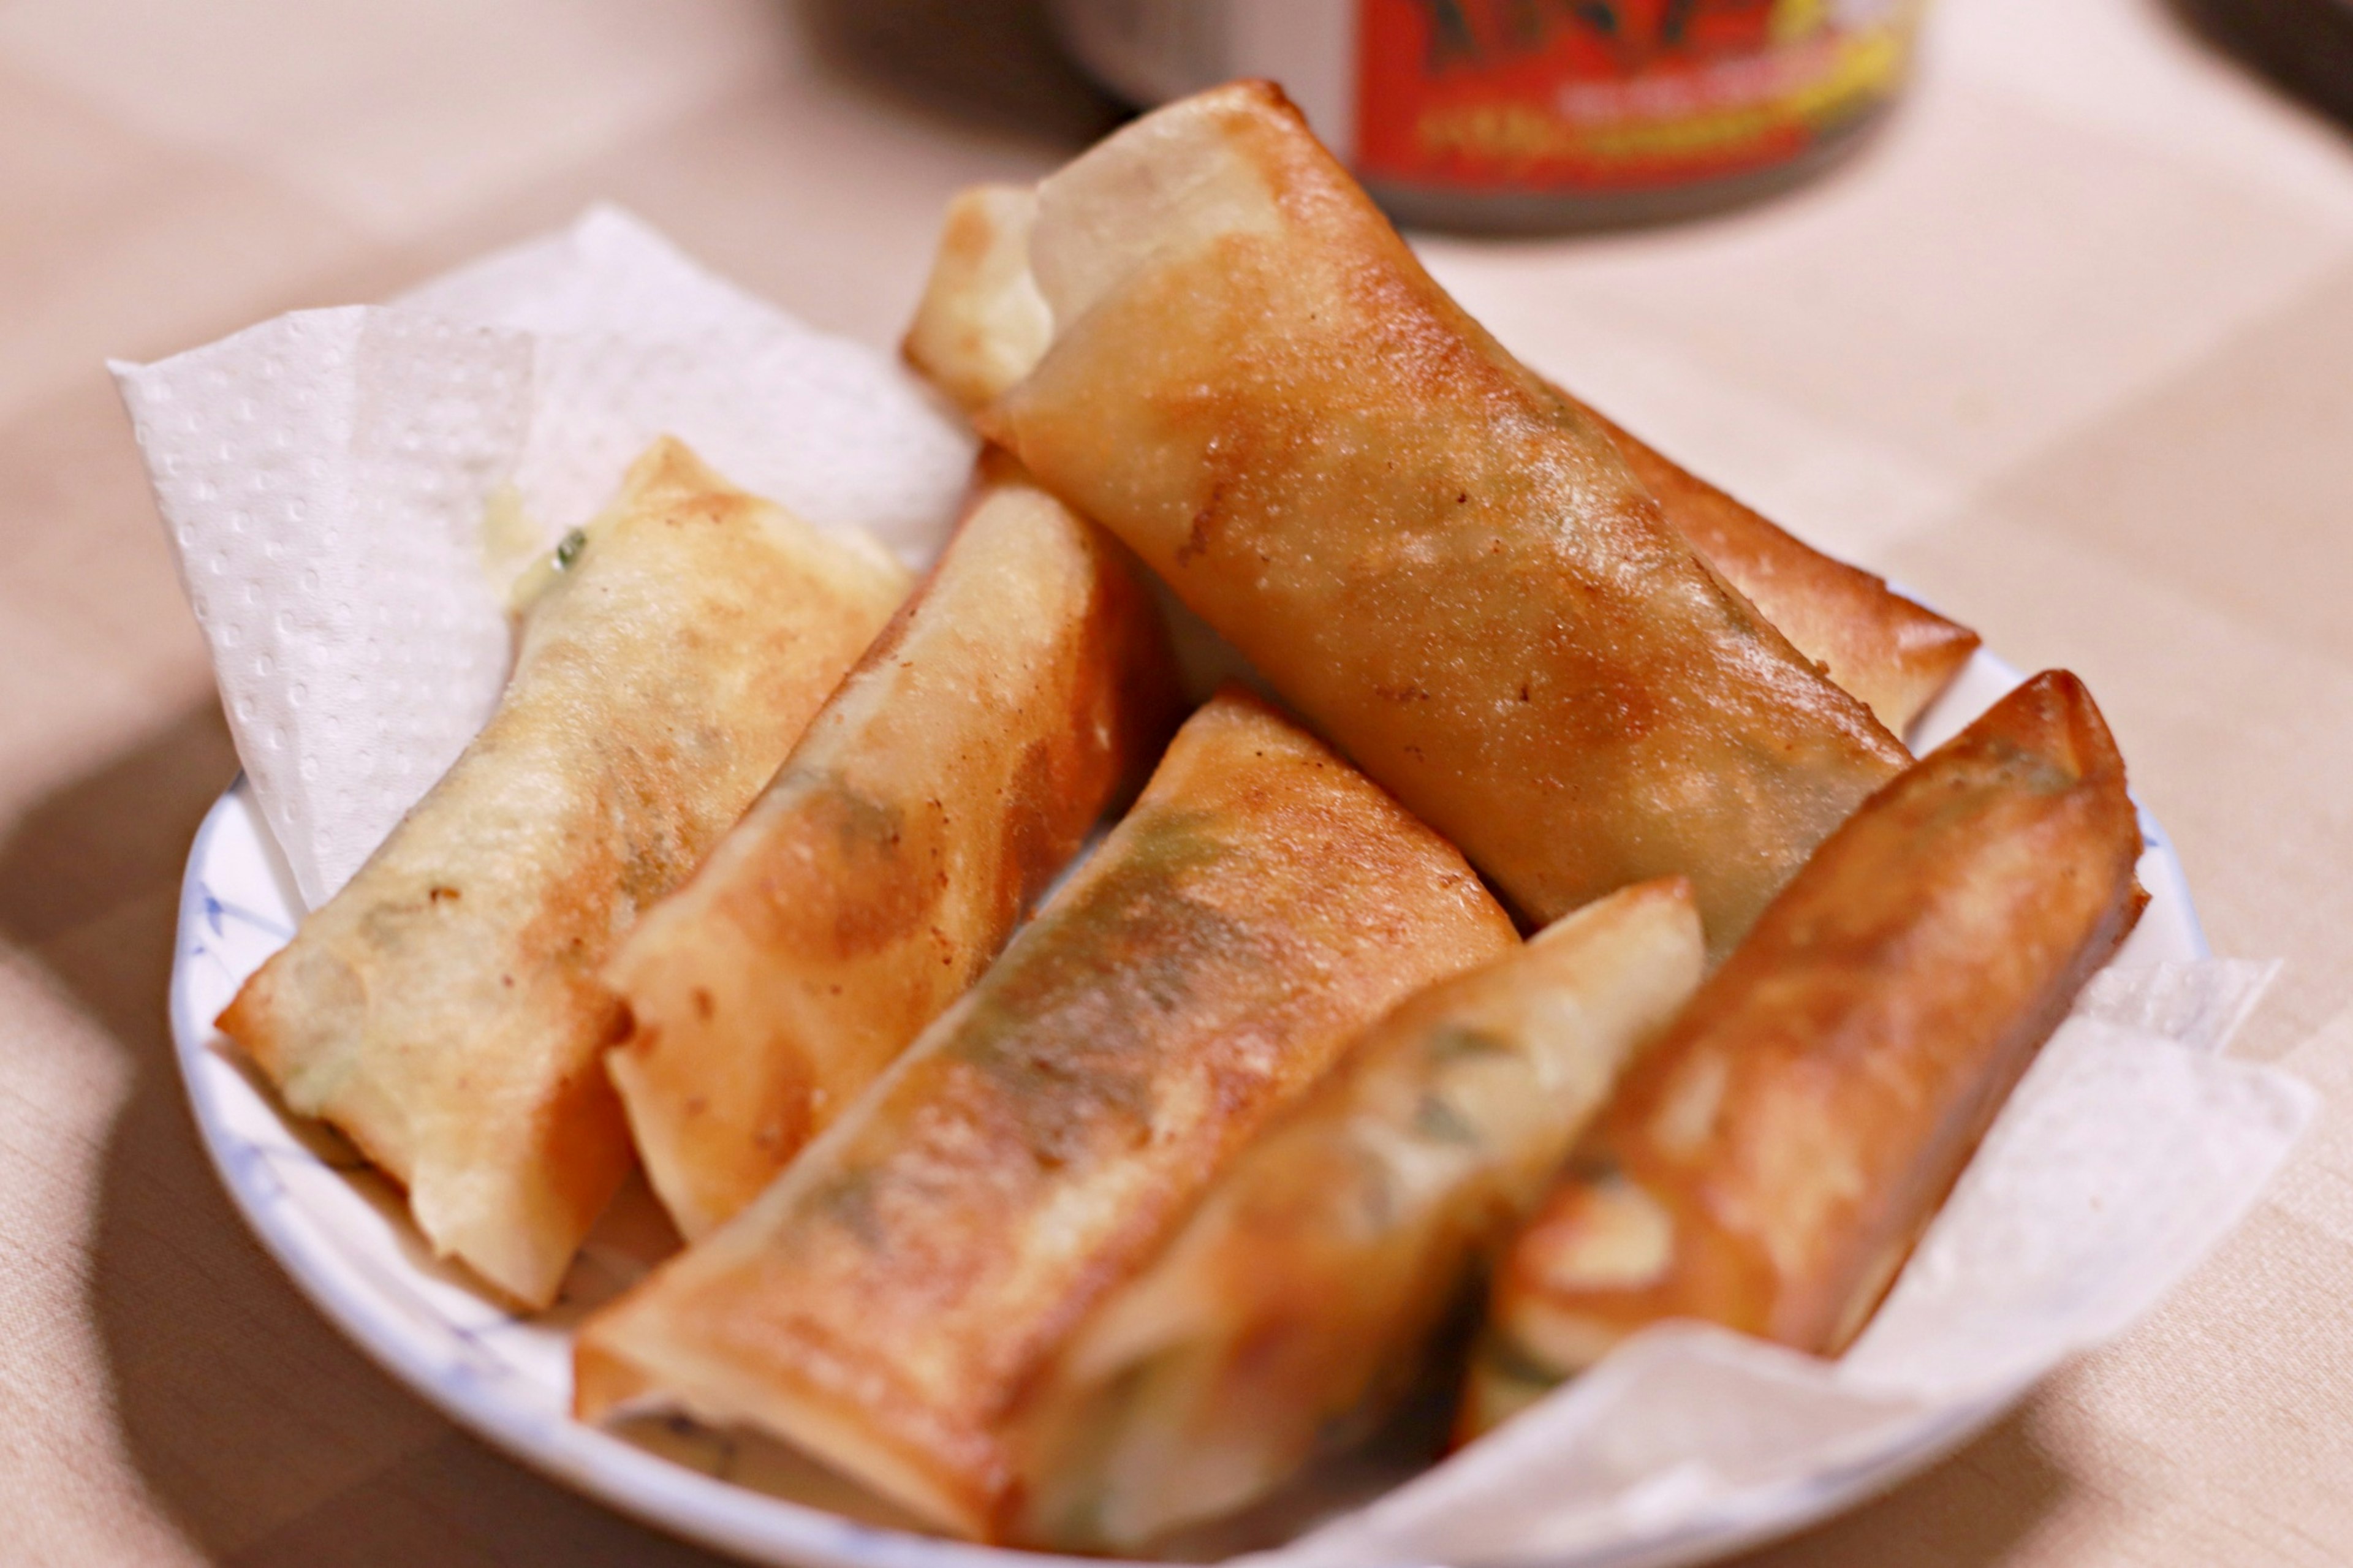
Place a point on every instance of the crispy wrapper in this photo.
(1446, 568)
(1895, 655)
(885, 1301)
(982, 325)
(1770, 1164)
(1299, 1300)
(951, 777)
(443, 1009)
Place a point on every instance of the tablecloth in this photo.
(2068, 350)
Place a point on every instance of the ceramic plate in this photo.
(343, 1234)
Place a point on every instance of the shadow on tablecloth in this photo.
(2303, 45)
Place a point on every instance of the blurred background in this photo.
(2064, 343)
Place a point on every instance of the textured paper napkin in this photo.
(326, 479)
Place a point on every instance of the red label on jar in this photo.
(1614, 95)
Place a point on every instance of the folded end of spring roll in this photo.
(618, 1369)
(885, 1301)
(1771, 1163)
(1297, 1303)
(981, 323)
(1025, 686)
(443, 1009)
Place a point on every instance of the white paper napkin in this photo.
(325, 477)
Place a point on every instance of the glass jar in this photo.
(1534, 114)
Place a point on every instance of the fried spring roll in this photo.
(1298, 1301)
(1445, 568)
(1770, 1164)
(443, 1009)
(982, 325)
(885, 1301)
(951, 777)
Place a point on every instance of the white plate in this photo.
(344, 1235)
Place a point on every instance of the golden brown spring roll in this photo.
(982, 325)
(443, 1009)
(885, 1301)
(1444, 567)
(1299, 1300)
(951, 777)
(1770, 1164)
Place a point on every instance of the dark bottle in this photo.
(2307, 44)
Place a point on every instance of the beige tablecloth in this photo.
(2070, 352)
